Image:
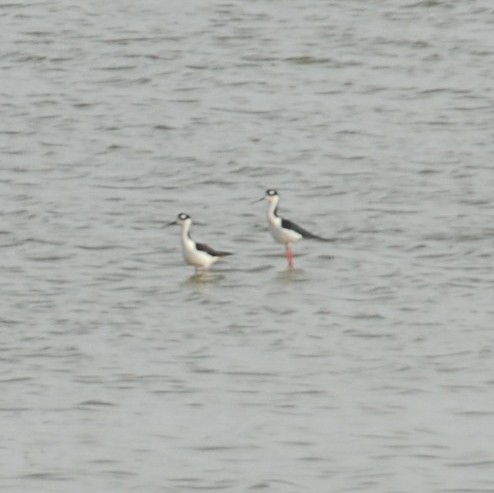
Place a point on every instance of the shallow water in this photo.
(367, 368)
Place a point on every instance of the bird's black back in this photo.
(211, 251)
(287, 224)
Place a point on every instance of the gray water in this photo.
(367, 368)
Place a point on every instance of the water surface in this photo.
(367, 368)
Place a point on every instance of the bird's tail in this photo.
(312, 236)
(223, 254)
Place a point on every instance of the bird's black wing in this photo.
(287, 224)
(211, 251)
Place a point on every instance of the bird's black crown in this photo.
(271, 192)
(182, 216)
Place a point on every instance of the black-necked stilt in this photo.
(199, 255)
(283, 230)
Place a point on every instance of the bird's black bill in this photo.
(170, 224)
(257, 200)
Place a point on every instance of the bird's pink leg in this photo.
(289, 256)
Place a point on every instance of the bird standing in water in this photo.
(283, 230)
(199, 255)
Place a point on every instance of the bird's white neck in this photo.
(273, 204)
(185, 230)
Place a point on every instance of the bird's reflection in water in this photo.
(290, 275)
(202, 278)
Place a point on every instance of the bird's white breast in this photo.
(282, 235)
(196, 257)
